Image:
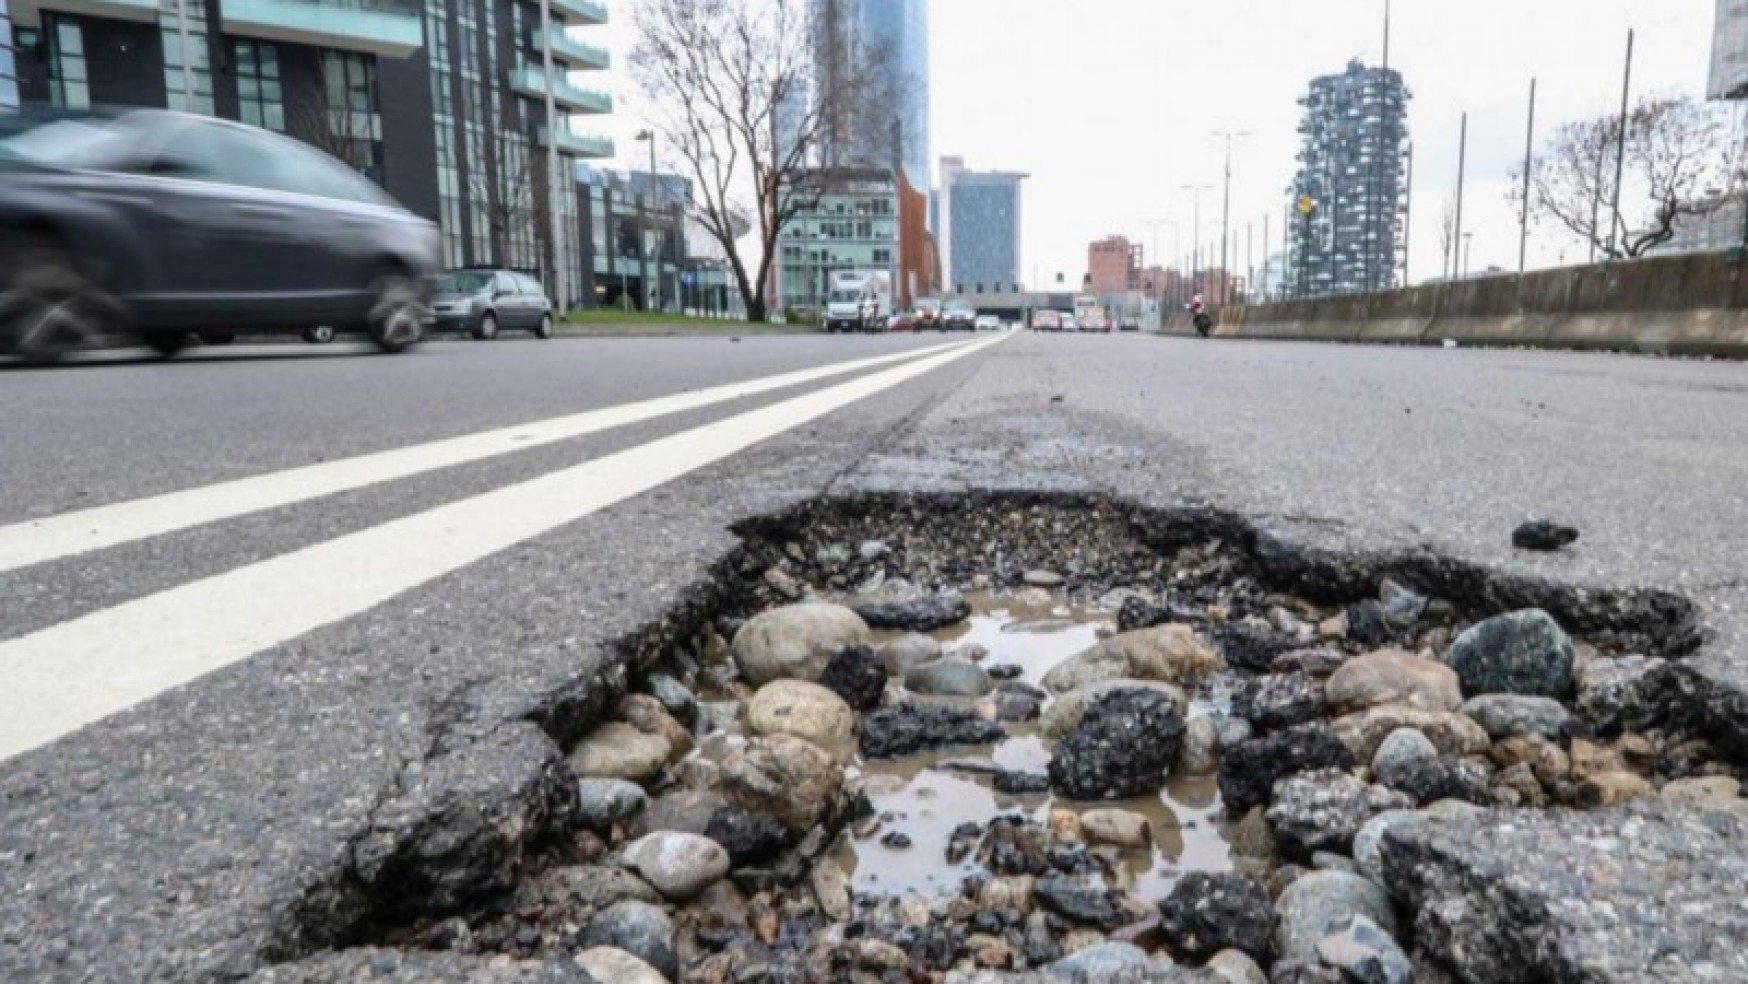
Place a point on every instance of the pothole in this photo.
(848, 759)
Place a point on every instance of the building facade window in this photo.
(69, 85)
(353, 117)
(260, 94)
(187, 75)
(8, 63)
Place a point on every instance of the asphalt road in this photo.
(361, 653)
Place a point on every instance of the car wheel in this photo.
(165, 343)
(544, 329)
(319, 335)
(48, 308)
(487, 329)
(395, 323)
(216, 337)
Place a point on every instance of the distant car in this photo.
(1129, 323)
(987, 322)
(903, 321)
(484, 301)
(165, 225)
(928, 314)
(959, 316)
(1046, 320)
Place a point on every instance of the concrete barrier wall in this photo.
(1686, 304)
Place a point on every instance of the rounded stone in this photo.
(638, 928)
(802, 710)
(1064, 713)
(791, 780)
(680, 866)
(1392, 676)
(617, 750)
(1118, 828)
(795, 641)
(606, 963)
(1096, 962)
(1398, 748)
(1514, 716)
(1524, 652)
(603, 803)
(899, 656)
(1236, 967)
(950, 677)
(1317, 902)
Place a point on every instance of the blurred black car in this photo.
(482, 301)
(161, 225)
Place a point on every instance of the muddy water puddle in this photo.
(924, 802)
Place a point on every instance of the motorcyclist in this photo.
(1199, 315)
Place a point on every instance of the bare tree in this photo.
(756, 95)
(325, 120)
(1682, 159)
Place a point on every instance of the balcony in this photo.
(573, 144)
(531, 82)
(578, 55)
(588, 13)
(28, 13)
(370, 26)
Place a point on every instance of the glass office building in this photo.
(984, 213)
(8, 63)
(899, 30)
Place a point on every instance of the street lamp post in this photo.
(1196, 268)
(554, 229)
(643, 204)
(1226, 215)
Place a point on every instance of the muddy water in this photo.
(926, 803)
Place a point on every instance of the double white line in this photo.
(69, 675)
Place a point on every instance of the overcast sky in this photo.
(1109, 104)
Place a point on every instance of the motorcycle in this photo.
(1204, 323)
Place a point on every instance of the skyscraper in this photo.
(979, 227)
(1350, 175)
(897, 32)
(1729, 76)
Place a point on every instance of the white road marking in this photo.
(42, 540)
(69, 675)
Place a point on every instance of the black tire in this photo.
(48, 306)
(487, 329)
(319, 335)
(216, 337)
(544, 329)
(165, 343)
(396, 316)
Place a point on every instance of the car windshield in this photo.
(463, 282)
(959, 307)
(846, 296)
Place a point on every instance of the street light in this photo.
(1196, 266)
(1226, 213)
(643, 247)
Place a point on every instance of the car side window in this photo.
(503, 283)
(531, 286)
(310, 172)
(223, 155)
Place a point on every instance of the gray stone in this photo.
(907, 651)
(1618, 693)
(1315, 811)
(920, 614)
(606, 963)
(1451, 734)
(603, 803)
(950, 677)
(684, 811)
(1280, 700)
(680, 866)
(1524, 652)
(1513, 715)
(1167, 653)
(1331, 861)
(910, 728)
(1315, 904)
(1318, 662)
(1399, 747)
(675, 696)
(1095, 963)
(831, 888)
(795, 641)
(1366, 953)
(1428, 780)
(638, 928)
(1366, 843)
(1064, 714)
(1649, 891)
(1236, 967)
(1231, 729)
(588, 887)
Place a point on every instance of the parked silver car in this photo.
(162, 225)
(483, 301)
